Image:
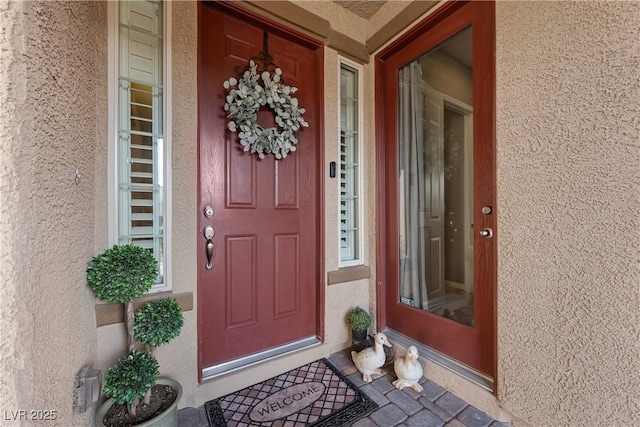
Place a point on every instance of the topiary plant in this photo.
(158, 322)
(358, 319)
(130, 378)
(120, 275)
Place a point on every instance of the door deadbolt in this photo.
(487, 233)
(208, 211)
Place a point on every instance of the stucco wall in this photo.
(52, 88)
(569, 211)
(184, 194)
(340, 297)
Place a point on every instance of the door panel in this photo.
(422, 223)
(262, 291)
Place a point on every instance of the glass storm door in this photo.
(440, 185)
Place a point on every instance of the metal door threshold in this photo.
(235, 365)
(446, 362)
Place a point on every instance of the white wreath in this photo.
(243, 103)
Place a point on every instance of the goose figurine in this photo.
(369, 360)
(408, 370)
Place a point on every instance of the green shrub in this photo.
(158, 322)
(358, 319)
(129, 379)
(122, 273)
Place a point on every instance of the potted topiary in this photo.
(359, 321)
(136, 395)
(157, 323)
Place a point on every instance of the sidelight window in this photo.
(350, 164)
(140, 130)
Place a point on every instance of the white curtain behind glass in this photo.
(413, 254)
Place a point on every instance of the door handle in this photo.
(487, 233)
(209, 232)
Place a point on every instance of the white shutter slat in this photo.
(142, 230)
(146, 175)
(146, 243)
(141, 217)
(142, 161)
(142, 202)
(141, 16)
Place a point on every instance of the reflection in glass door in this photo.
(435, 188)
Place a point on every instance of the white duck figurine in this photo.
(408, 370)
(369, 360)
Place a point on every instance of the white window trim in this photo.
(360, 140)
(112, 164)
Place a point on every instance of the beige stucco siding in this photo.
(568, 123)
(184, 193)
(51, 92)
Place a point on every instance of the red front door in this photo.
(262, 289)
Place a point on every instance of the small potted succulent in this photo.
(359, 321)
(136, 395)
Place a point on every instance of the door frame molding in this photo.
(384, 152)
(234, 10)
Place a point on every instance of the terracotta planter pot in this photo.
(169, 418)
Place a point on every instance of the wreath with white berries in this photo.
(245, 98)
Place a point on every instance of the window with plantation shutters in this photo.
(141, 151)
(350, 166)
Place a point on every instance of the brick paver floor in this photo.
(433, 407)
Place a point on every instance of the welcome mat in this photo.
(317, 394)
